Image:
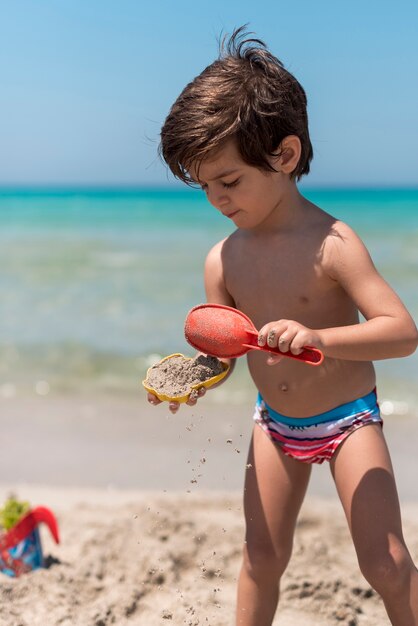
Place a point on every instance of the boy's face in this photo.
(243, 193)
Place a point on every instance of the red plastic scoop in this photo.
(224, 332)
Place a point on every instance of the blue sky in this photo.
(86, 84)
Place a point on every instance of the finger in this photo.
(153, 399)
(283, 343)
(273, 359)
(272, 338)
(295, 348)
(270, 333)
(267, 335)
(262, 336)
(174, 406)
(195, 396)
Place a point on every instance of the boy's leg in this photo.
(275, 486)
(363, 474)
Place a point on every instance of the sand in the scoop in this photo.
(176, 376)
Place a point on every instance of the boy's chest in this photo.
(274, 281)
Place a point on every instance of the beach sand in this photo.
(150, 515)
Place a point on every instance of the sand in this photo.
(150, 515)
(177, 375)
(153, 559)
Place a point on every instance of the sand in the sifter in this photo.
(177, 375)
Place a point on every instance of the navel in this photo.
(284, 387)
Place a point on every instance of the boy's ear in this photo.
(289, 152)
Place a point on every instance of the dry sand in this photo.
(152, 533)
(152, 559)
(177, 375)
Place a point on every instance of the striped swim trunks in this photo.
(315, 439)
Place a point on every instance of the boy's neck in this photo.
(288, 213)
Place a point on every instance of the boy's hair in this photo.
(246, 95)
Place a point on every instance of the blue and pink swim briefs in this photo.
(315, 439)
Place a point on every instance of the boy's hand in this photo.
(174, 406)
(287, 335)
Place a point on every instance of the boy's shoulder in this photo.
(344, 252)
(342, 234)
(214, 256)
(332, 238)
(328, 228)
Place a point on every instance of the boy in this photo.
(240, 131)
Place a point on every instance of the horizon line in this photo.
(137, 187)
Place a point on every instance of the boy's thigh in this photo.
(363, 474)
(275, 486)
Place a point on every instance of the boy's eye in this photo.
(204, 186)
(230, 185)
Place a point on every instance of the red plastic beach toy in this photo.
(225, 332)
(21, 548)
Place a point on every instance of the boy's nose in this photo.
(218, 199)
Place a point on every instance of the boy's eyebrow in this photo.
(224, 174)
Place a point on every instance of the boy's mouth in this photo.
(231, 215)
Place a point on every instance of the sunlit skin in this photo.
(303, 276)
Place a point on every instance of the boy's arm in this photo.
(389, 331)
(215, 288)
(217, 293)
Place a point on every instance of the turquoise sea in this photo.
(96, 283)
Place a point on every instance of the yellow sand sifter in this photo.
(193, 388)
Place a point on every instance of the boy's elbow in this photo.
(411, 340)
(414, 344)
